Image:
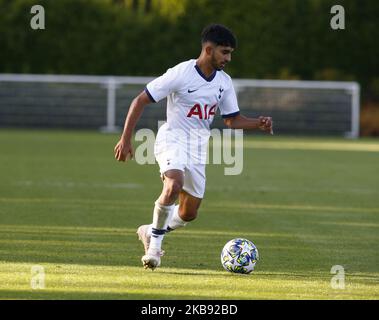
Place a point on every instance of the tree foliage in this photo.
(276, 39)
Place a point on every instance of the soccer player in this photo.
(195, 90)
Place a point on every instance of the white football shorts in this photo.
(172, 154)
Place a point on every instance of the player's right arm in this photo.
(155, 91)
(123, 149)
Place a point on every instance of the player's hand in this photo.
(123, 150)
(265, 124)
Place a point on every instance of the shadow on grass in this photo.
(197, 250)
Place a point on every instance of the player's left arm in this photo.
(241, 122)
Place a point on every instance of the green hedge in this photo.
(276, 39)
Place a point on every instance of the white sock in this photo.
(176, 221)
(161, 216)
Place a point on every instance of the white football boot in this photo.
(143, 235)
(152, 259)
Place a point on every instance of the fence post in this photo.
(355, 111)
(111, 127)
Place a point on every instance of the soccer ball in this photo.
(239, 256)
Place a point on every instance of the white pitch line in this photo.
(328, 146)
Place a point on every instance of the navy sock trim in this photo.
(157, 232)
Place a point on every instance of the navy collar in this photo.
(210, 78)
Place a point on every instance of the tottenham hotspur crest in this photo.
(220, 92)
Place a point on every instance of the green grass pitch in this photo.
(307, 203)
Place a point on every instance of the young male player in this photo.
(195, 90)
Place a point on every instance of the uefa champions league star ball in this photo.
(239, 256)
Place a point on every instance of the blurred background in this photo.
(277, 40)
(307, 196)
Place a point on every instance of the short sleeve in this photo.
(163, 86)
(229, 105)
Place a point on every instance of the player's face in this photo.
(221, 55)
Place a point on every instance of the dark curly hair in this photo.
(219, 35)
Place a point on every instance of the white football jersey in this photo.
(193, 99)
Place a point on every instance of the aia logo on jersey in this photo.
(204, 113)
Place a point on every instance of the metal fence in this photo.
(101, 102)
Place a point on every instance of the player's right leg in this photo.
(185, 212)
(172, 185)
(190, 197)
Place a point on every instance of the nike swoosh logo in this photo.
(190, 91)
